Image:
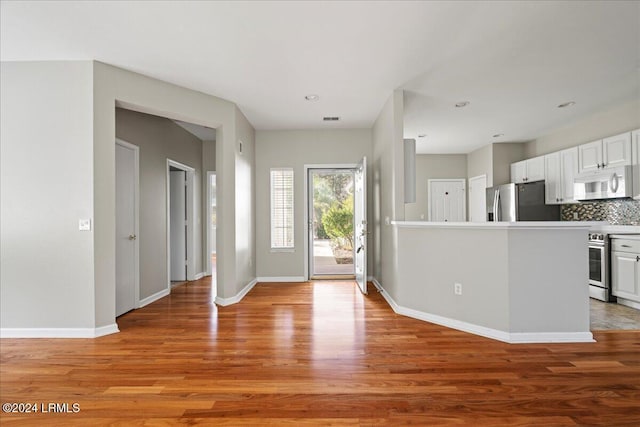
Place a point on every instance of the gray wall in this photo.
(494, 160)
(159, 139)
(245, 200)
(114, 86)
(296, 149)
(46, 176)
(509, 276)
(433, 166)
(71, 174)
(388, 189)
(503, 155)
(480, 162)
(615, 120)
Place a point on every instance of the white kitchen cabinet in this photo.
(590, 156)
(606, 153)
(625, 269)
(528, 170)
(560, 168)
(635, 155)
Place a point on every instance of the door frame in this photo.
(464, 199)
(191, 240)
(484, 207)
(136, 218)
(209, 269)
(307, 201)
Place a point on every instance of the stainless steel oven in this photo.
(599, 284)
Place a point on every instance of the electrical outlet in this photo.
(84, 224)
(457, 288)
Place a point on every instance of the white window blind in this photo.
(282, 208)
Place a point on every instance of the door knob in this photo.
(132, 237)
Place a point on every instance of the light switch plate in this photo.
(84, 224)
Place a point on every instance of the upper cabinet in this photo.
(635, 154)
(528, 170)
(561, 168)
(609, 152)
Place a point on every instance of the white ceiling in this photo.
(513, 61)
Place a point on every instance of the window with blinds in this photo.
(282, 208)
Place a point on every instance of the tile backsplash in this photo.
(619, 212)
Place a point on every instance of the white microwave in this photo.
(612, 183)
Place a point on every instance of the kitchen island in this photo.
(515, 282)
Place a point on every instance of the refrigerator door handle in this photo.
(498, 210)
(496, 196)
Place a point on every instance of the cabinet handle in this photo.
(625, 246)
(637, 258)
(603, 165)
(599, 166)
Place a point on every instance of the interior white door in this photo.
(477, 198)
(447, 200)
(178, 225)
(360, 224)
(126, 228)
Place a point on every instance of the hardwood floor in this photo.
(315, 354)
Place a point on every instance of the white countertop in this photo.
(495, 225)
(594, 226)
(625, 236)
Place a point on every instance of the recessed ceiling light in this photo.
(422, 135)
(331, 118)
(312, 97)
(498, 135)
(462, 104)
(567, 104)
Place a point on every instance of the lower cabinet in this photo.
(625, 269)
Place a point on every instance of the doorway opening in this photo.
(331, 223)
(180, 223)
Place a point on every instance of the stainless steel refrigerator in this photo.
(520, 202)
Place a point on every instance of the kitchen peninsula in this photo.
(516, 282)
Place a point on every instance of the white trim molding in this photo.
(283, 279)
(199, 276)
(153, 298)
(508, 337)
(59, 332)
(237, 297)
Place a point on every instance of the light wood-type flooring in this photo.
(316, 353)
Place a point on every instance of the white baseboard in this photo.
(236, 298)
(152, 298)
(284, 279)
(512, 338)
(628, 303)
(58, 332)
(550, 337)
(199, 276)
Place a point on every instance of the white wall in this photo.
(296, 149)
(433, 166)
(615, 120)
(160, 139)
(46, 264)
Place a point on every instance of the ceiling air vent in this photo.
(331, 119)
